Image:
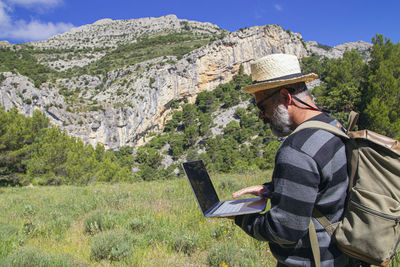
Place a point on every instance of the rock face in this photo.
(337, 51)
(136, 99)
(112, 33)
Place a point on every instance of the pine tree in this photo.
(382, 112)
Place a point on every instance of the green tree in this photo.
(205, 121)
(49, 156)
(191, 133)
(382, 109)
(344, 80)
(176, 141)
(174, 122)
(313, 63)
(17, 134)
(149, 156)
(189, 115)
(206, 102)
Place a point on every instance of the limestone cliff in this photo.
(117, 108)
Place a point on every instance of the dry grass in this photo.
(162, 216)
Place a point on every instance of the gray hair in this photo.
(298, 89)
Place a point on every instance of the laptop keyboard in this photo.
(228, 208)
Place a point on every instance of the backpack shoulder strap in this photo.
(312, 233)
(352, 120)
(323, 126)
(316, 213)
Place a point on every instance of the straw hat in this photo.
(274, 71)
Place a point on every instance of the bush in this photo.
(139, 225)
(9, 239)
(113, 245)
(230, 184)
(99, 221)
(28, 256)
(230, 254)
(186, 243)
(94, 223)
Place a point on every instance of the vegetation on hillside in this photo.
(31, 152)
(146, 48)
(21, 61)
(244, 143)
(24, 58)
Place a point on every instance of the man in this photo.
(310, 167)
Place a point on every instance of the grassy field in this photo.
(142, 224)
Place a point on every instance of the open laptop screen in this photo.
(201, 184)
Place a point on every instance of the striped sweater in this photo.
(310, 170)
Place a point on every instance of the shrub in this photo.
(28, 256)
(99, 221)
(139, 225)
(230, 184)
(113, 245)
(94, 223)
(230, 254)
(186, 243)
(9, 239)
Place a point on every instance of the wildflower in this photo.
(223, 264)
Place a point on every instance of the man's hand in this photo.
(257, 190)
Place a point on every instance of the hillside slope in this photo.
(114, 81)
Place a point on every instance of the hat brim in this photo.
(252, 89)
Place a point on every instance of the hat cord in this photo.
(304, 103)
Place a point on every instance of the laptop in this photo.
(207, 197)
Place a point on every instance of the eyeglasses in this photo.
(260, 105)
(291, 91)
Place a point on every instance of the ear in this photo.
(285, 97)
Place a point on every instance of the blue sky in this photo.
(327, 22)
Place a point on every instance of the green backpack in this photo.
(370, 228)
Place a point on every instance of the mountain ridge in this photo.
(117, 107)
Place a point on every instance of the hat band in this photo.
(290, 76)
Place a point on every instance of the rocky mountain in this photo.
(107, 89)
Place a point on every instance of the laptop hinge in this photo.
(212, 209)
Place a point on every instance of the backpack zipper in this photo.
(382, 215)
(377, 213)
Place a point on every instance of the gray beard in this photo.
(281, 122)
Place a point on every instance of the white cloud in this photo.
(278, 7)
(29, 3)
(33, 30)
(36, 30)
(4, 17)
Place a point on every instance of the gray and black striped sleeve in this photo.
(310, 171)
(296, 180)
